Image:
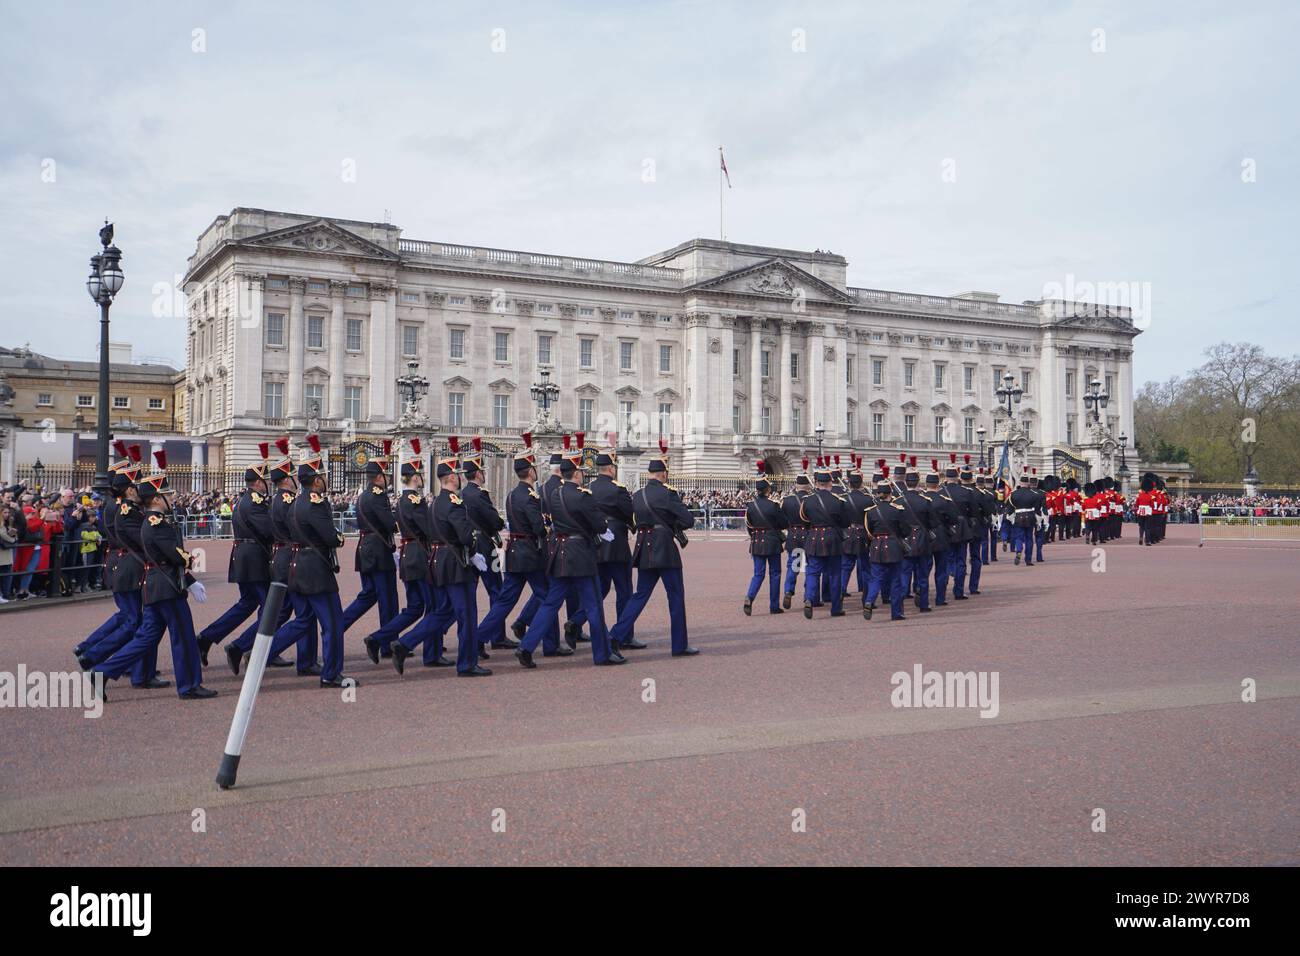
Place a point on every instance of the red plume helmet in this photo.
(566, 442)
(478, 444)
(966, 459)
(934, 464)
(952, 458)
(314, 442)
(454, 444)
(902, 458)
(136, 455)
(581, 439)
(160, 456)
(388, 447)
(663, 447)
(528, 439)
(283, 445)
(1033, 471)
(912, 461)
(119, 446)
(415, 446)
(762, 467)
(880, 463)
(837, 461)
(805, 464)
(265, 449)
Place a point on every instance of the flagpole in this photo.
(722, 205)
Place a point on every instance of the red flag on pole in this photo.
(725, 172)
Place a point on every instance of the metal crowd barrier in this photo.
(1249, 528)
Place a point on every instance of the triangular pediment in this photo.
(502, 384)
(628, 391)
(772, 278)
(587, 388)
(322, 237)
(667, 393)
(456, 381)
(1096, 318)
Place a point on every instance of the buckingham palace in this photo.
(731, 352)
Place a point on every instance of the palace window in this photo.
(877, 371)
(939, 421)
(665, 358)
(1027, 380)
(940, 371)
(735, 419)
(625, 356)
(410, 297)
(665, 419)
(352, 402)
(544, 350)
(586, 406)
(1069, 384)
(274, 329)
(848, 424)
(502, 347)
(796, 421)
(848, 371)
(456, 343)
(315, 332)
(317, 287)
(765, 363)
(968, 431)
(44, 399)
(586, 353)
(121, 401)
(157, 404)
(273, 400)
(500, 411)
(909, 374)
(313, 393)
(794, 366)
(767, 420)
(877, 426)
(909, 428)
(354, 331)
(455, 409)
(968, 378)
(735, 361)
(410, 341)
(85, 401)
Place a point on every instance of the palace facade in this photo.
(732, 352)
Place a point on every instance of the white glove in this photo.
(480, 562)
(607, 536)
(397, 560)
(199, 592)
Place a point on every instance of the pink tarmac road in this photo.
(1118, 691)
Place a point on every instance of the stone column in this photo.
(380, 353)
(338, 340)
(724, 395)
(836, 392)
(296, 341)
(697, 379)
(254, 327)
(755, 375)
(1050, 406)
(1124, 395)
(787, 386)
(816, 391)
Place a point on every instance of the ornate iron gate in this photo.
(347, 464)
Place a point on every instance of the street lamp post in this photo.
(413, 386)
(103, 283)
(545, 393)
(1094, 399)
(820, 432)
(1010, 393)
(1123, 463)
(38, 476)
(981, 432)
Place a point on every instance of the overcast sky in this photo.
(940, 147)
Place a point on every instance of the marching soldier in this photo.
(488, 525)
(766, 524)
(661, 523)
(572, 612)
(961, 533)
(614, 558)
(825, 515)
(886, 526)
(425, 603)
(167, 583)
(1023, 506)
(250, 564)
(1144, 506)
(525, 557)
(975, 520)
(919, 512)
(856, 542)
(942, 520)
(301, 629)
(576, 527)
(375, 558)
(314, 566)
(454, 564)
(124, 568)
(794, 542)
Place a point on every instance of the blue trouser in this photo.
(328, 611)
(985, 545)
(771, 566)
(823, 574)
(464, 603)
(975, 563)
(941, 575)
(432, 629)
(418, 602)
(618, 575)
(492, 629)
(586, 591)
(306, 646)
(377, 587)
(957, 568)
(301, 631)
(887, 577)
(251, 597)
(1022, 539)
(119, 617)
(793, 566)
(920, 575)
(103, 644)
(646, 579)
(847, 565)
(172, 615)
(33, 560)
(1039, 536)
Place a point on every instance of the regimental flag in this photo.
(1002, 478)
(723, 161)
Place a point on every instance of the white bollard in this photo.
(252, 681)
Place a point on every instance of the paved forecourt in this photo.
(1118, 691)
